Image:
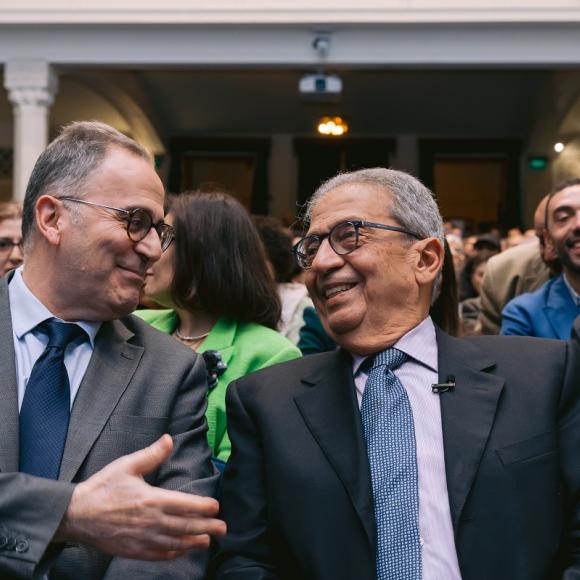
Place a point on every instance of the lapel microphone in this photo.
(439, 388)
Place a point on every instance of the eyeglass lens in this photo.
(343, 239)
(140, 222)
(6, 245)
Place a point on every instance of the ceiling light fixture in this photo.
(559, 147)
(332, 126)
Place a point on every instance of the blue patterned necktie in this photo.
(45, 410)
(390, 438)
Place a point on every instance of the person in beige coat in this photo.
(523, 268)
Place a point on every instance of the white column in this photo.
(31, 86)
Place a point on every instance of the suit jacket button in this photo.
(10, 544)
(22, 546)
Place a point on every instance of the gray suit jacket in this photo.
(140, 383)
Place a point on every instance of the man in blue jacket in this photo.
(550, 311)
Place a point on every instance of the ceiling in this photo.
(463, 103)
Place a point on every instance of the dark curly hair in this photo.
(277, 240)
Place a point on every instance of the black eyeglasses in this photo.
(139, 222)
(7, 245)
(343, 239)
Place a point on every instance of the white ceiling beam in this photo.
(534, 45)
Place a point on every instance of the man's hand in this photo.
(117, 512)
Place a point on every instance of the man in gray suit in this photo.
(104, 466)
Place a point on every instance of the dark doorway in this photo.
(237, 166)
(474, 180)
(320, 159)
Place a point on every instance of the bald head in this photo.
(540, 218)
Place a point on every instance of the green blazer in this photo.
(245, 347)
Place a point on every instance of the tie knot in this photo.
(60, 334)
(391, 358)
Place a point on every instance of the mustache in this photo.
(570, 241)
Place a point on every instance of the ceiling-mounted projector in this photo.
(320, 87)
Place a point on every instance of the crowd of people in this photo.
(193, 392)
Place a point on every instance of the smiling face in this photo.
(99, 268)
(369, 298)
(563, 235)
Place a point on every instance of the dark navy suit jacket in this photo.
(297, 494)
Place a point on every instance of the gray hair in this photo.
(412, 206)
(64, 166)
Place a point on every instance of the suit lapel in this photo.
(467, 414)
(112, 366)
(9, 394)
(331, 412)
(560, 309)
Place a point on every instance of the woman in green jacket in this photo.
(220, 296)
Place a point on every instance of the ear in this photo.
(430, 256)
(48, 215)
(550, 254)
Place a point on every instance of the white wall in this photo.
(286, 11)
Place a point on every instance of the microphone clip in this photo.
(439, 388)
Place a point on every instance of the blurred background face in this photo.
(564, 227)
(10, 244)
(457, 251)
(160, 275)
(477, 277)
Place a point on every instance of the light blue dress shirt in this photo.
(417, 374)
(27, 313)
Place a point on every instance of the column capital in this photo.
(30, 83)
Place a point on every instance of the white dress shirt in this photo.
(27, 313)
(417, 374)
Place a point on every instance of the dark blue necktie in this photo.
(389, 432)
(45, 410)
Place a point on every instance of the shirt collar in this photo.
(420, 344)
(573, 293)
(28, 311)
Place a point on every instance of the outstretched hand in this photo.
(117, 512)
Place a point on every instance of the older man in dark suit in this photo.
(407, 454)
(90, 487)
